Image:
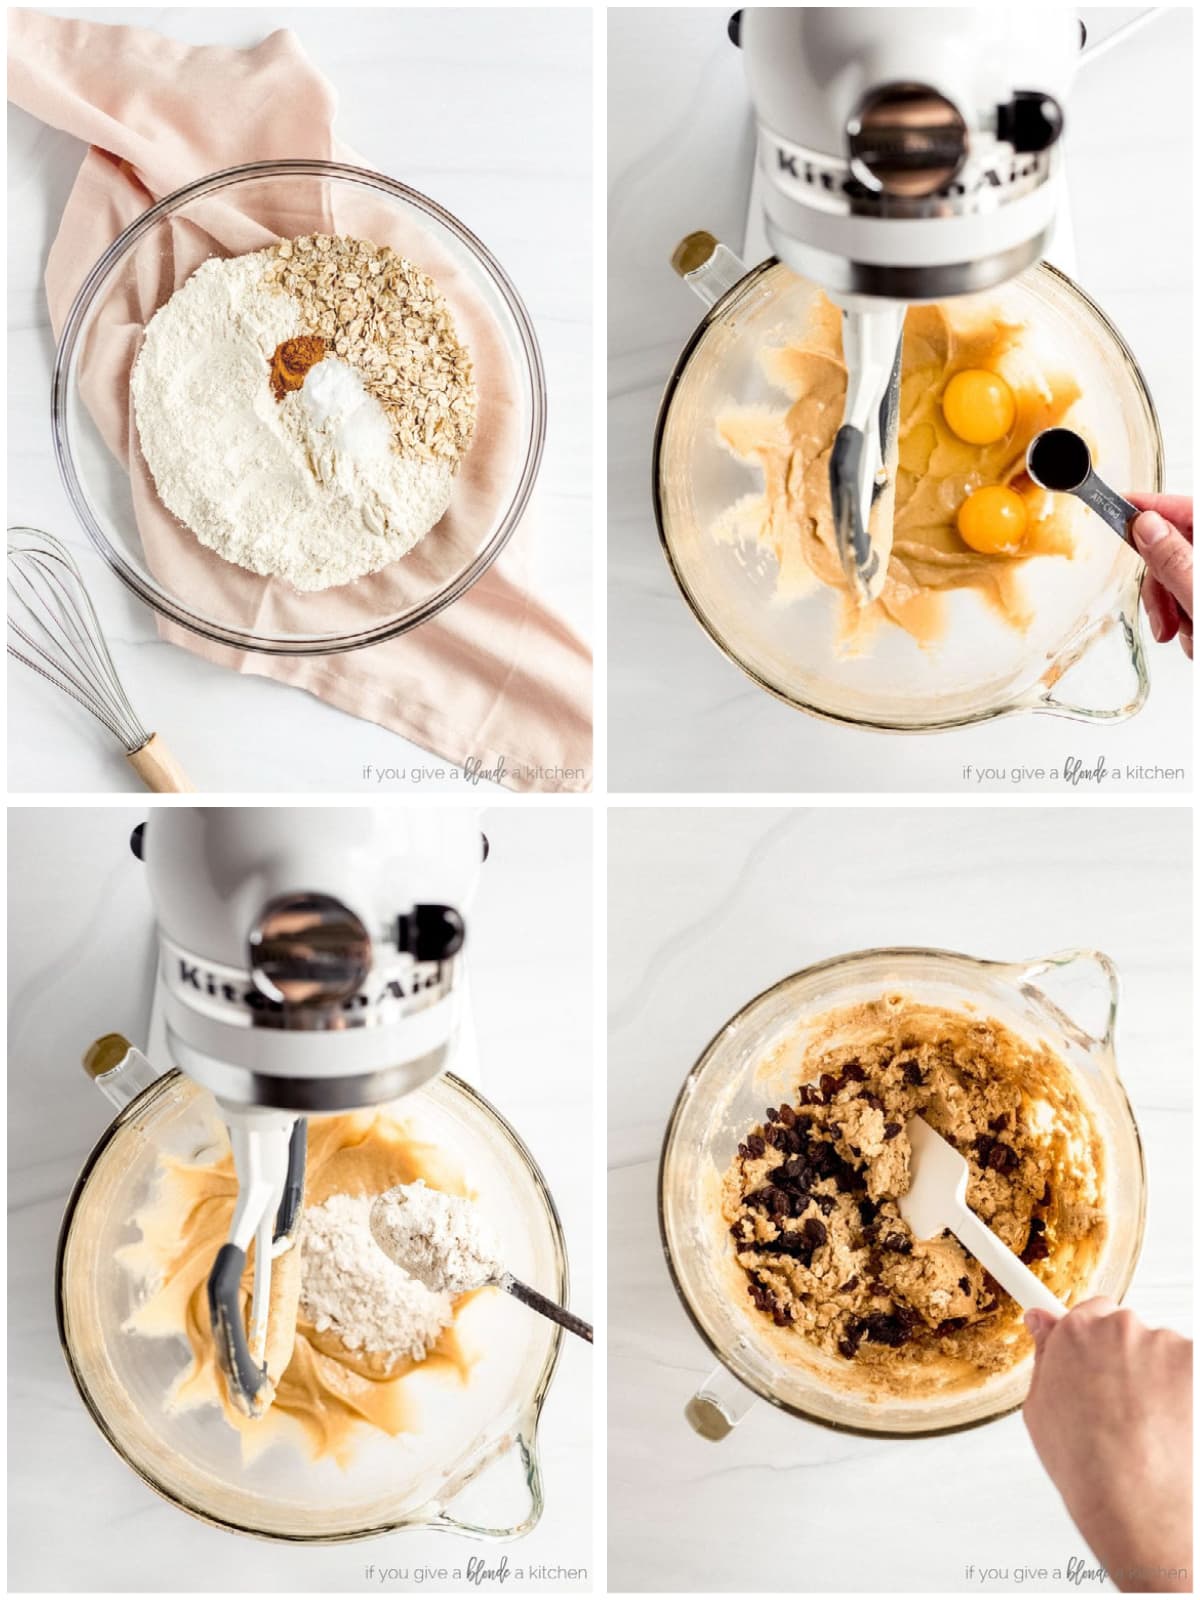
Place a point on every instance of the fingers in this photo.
(1167, 554)
(1039, 1323)
(1161, 611)
(1177, 508)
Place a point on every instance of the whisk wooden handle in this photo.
(158, 768)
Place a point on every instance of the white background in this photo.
(680, 154)
(487, 111)
(707, 908)
(81, 965)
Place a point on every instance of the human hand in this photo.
(1110, 1415)
(1162, 536)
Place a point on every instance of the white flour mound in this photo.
(298, 489)
(352, 1289)
(441, 1239)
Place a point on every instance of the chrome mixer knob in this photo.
(309, 951)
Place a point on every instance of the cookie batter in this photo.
(325, 1392)
(810, 1199)
(792, 517)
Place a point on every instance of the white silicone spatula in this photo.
(937, 1199)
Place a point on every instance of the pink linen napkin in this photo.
(495, 681)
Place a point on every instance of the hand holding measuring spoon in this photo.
(1158, 526)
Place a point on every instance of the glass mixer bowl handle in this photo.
(1114, 649)
(708, 267)
(718, 1405)
(521, 1446)
(118, 1070)
(1081, 990)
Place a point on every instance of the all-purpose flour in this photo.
(442, 1239)
(308, 488)
(351, 1288)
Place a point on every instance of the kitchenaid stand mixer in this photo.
(905, 155)
(309, 963)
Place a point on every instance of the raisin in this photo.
(815, 1232)
(890, 1130)
(1003, 1159)
(850, 1283)
(892, 1331)
(913, 1073)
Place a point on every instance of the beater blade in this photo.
(269, 1154)
(863, 462)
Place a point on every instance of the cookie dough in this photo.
(811, 1197)
(325, 1393)
(792, 518)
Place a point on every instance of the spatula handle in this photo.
(1007, 1268)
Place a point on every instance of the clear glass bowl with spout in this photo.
(106, 479)
(1085, 609)
(193, 1458)
(1066, 1001)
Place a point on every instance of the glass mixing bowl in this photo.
(193, 1458)
(1068, 1002)
(1086, 609)
(248, 208)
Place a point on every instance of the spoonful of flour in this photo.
(442, 1240)
(446, 1243)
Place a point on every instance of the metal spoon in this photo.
(539, 1302)
(431, 1269)
(1058, 459)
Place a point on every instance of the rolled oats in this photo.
(388, 320)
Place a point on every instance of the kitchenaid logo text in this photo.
(191, 975)
(840, 180)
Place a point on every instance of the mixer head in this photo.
(310, 963)
(908, 154)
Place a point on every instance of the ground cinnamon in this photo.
(292, 361)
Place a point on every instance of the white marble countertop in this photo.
(680, 154)
(707, 908)
(81, 967)
(512, 157)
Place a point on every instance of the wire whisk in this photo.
(53, 630)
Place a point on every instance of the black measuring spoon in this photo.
(1059, 459)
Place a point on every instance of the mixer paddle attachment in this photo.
(269, 1156)
(863, 462)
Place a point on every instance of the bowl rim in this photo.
(1125, 610)
(532, 1406)
(171, 608)
(851, 959)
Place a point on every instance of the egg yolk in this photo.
(978, 406)
(993, 520)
